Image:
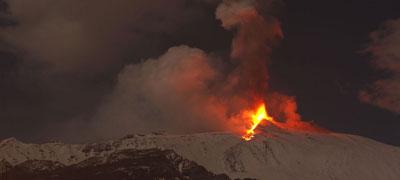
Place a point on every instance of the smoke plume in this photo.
(250, 47)
(186, 90)
(385, 49)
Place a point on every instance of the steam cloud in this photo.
(385, 48)
(185, 90)
(170, 92)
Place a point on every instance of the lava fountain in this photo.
(256, 117)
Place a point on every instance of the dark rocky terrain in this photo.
(126, 164)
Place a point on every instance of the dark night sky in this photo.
(323, 67)
(319, 62)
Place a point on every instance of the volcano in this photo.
(272, 154)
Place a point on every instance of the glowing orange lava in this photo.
(256, 118)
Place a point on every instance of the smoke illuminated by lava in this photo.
(255, 117)
(184, 91)
(251, 48)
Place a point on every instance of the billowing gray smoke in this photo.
(385, 48)
(184, 91)
(169, 93)
(69, 47)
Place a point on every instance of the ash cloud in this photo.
(73, 50)
(169, 93)
(76, 36)
(385, 49)
(185, 89)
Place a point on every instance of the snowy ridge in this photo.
(273, 155)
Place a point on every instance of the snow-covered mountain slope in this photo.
(275, 154)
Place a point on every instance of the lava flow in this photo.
(256, 118)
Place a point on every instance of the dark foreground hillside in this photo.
(127, 164)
